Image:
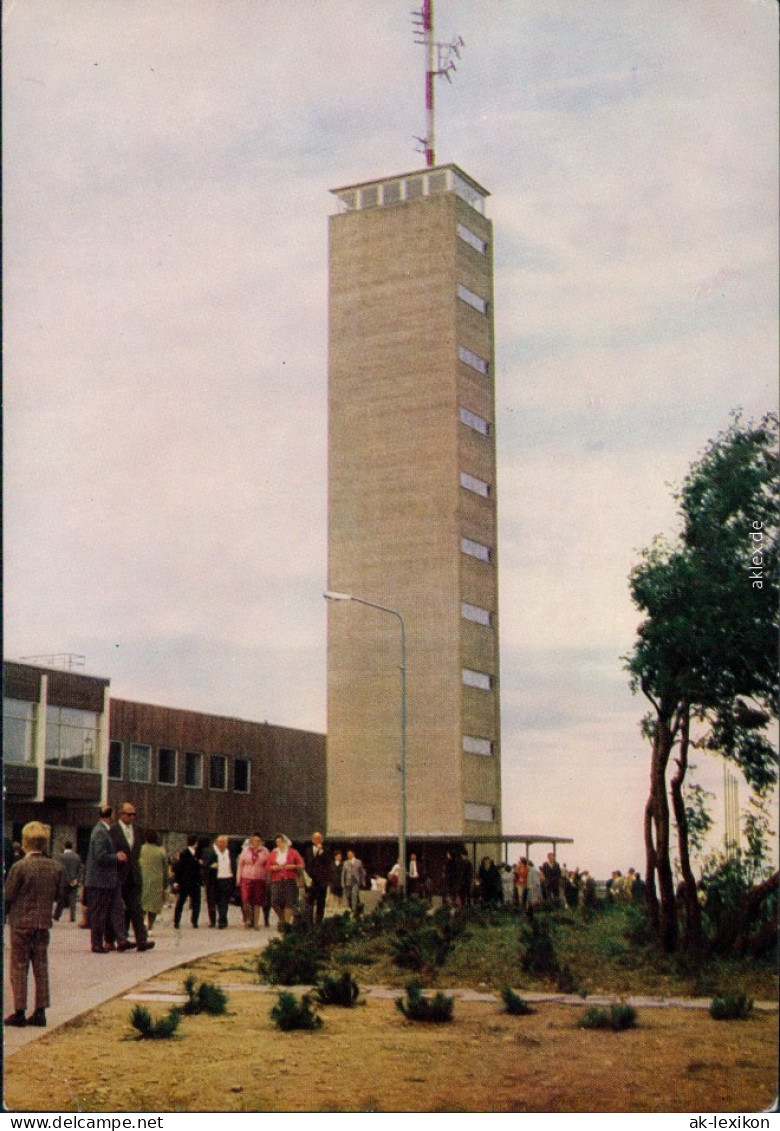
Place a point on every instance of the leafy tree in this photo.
(705, 655)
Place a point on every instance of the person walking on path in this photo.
(73, 868)
(220, 884)
(187, 878)
(101, 878)
(319, 865)
(34, 886)
(353, 876)
(127, 840)
(153, 863)
(285, 865)
(252, 880)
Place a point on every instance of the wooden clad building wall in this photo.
(286, 782)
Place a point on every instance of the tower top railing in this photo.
(389, 191)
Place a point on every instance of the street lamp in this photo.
(332, 595)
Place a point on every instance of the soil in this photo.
(677, 1060)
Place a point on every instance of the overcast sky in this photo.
(167, 167)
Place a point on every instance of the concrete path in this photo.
(81, 980)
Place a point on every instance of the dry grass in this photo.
(484, 1061)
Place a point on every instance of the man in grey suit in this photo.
(127, 839)
(104, 890)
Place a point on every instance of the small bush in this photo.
(160, 1030)
(566, 980)
(291, 1012)
(415, 950)
(353, 958)
(731, 1007)
(418, 1008)
(539, 955)
(515, 1004)
(207, 998)
(619, 1016)
(292, 960)
(338, 991)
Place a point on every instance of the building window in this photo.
(475, 549)
(392, 192)
(437, 182)
(478, 423)
(166, 766)
(369, 197)
(241, 775)
(471, 483)
(217, 771)
(481, 680)
(476, 614)
(71, 738)
(471, 238)
(193, 770)
(414, 188)
(18, 731)
(140, 762)
(472, 359)
(472, 299)
(474, 812)
(115, 760)
(468, 193)
(472, 745)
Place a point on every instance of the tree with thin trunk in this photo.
(705, 657)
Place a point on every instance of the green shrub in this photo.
(731, 1007)
(418, 1008)
(566, 980)
(619, 1016)
(336, 930)
(539, 955)
(207, 998)
(353, 958)
(515, 1004)
(397, 915)
(291, 1012)
(292, 960)
(160, 1030)
(338, 991)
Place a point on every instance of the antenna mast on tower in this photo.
(438, 61)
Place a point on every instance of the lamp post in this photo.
(331, 595)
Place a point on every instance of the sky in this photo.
(166, 202)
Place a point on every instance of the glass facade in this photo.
(19, 731)
(72, 738)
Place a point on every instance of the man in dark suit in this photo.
(127, 839)
(104, 891)
(319, 866)
(187, 878)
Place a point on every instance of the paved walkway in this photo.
(81, 980)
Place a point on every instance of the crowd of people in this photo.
(127, 879)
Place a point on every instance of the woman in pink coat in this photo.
(252, 882)
(285, 865)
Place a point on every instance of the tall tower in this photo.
(412, 508)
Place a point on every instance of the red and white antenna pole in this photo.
(438, 61)
(430, 74)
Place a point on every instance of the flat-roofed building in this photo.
(68, 747)
(412, 508)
